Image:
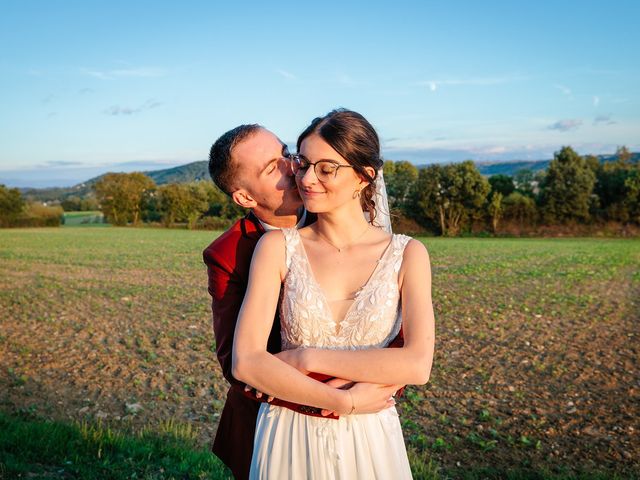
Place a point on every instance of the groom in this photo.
(250, 164)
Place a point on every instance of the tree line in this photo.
(15, 211)
(451, 199)
(443, 199)
(135, 198)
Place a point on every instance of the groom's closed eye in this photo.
(271, 166)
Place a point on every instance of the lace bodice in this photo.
(372, 320)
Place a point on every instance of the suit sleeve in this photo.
(227, 293)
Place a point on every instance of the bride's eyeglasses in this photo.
(325, 170)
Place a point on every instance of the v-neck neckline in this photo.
(328, 311)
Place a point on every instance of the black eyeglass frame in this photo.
(295, 159)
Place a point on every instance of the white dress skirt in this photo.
(291, 445)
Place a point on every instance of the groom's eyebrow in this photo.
(269, 162)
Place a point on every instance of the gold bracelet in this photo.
(353, 405)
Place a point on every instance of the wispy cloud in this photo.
(61, 163)
(566, 91)
(433, 85)
(118, 110)
(565, 125)
(596, 100)
(125, 72)
(604, 120)
(286, 74)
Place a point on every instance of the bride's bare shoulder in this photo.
(272, 241)
(415, 253)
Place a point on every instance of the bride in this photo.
(345, 282)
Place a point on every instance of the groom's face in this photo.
(265, 178)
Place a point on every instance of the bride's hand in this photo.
(340, 383)
(372, 397)
(295, 358)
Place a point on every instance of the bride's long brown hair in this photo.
(355, 139)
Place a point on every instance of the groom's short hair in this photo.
(222, 168)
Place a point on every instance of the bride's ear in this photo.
(372, 174)
(243, 198)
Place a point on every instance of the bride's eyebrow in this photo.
(322, 159)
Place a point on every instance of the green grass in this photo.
(84, 219)
(32, 447)
(523, 326)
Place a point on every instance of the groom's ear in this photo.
(243, 198)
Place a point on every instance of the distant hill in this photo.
(512, 166)
(189, 172)
(199, 171)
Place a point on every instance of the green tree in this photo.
(520, 208)
(525, 182)
(11, 205)
(495, 209)
(611, 186)
(502, 183)
(632, 199)
(623, 156)
(182, 202)
(220, 204)
(567, 188)
(120, 196)
(197, 203)
(399, 178)
(449, 195)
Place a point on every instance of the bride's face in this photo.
(329, 184)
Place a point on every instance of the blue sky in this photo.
(88, 87)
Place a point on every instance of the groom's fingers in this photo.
(338, 383)
(325, 413)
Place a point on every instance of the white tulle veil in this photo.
(382, 217)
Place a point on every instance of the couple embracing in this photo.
(308, 291)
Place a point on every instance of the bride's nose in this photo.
(309, 177)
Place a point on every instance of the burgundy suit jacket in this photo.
(228, 259)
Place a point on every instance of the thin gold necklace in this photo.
(339, 249)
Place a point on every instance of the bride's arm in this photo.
(253, 365)
(410, 364)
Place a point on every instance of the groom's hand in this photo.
(256, 392)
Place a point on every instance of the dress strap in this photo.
(400, 242)
(291, 240)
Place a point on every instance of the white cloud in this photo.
(125, 72)
(116, 110)
(434, 84)
(286, 74)
(604, 120)
(565, 90)
(596, 100)
(565, 125)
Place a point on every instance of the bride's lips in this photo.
(310, 193)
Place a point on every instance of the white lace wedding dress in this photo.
(290, 445)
